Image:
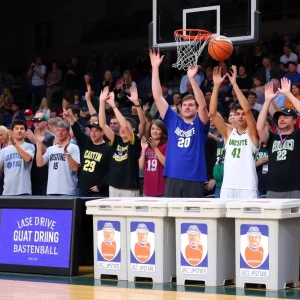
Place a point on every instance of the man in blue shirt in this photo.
(292, 74)
(185, 166)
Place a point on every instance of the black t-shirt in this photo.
(95, 162)
(124, 171)
(262, 175)
(284, 162)
(245, 83)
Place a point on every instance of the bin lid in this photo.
(263, 209)
(198, 208)
(138, 206)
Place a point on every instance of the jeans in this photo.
(217, 192)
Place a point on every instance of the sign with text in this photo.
(254, 256)
(35, 237)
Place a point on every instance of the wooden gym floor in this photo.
(84, 287)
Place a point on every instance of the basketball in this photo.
(220, 48)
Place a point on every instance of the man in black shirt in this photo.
(283, 149)
(123, 177)
(95, 158)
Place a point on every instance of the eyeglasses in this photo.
(38, 120)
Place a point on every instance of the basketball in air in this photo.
(220, 48)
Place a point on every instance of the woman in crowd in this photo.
(123, 88)
(6, 100)
(296, 93)
(44, 108)
(108, 80)
(259, 89)
(152, 159)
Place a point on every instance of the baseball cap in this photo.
(95, 124)
(285, 112)
(28, 112)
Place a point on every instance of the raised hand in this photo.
(152, 143)
(134, 97)
(232, 75)
(192, 72)
(30, 136)
(39, 137)
(68, 116)
(155, 58)
(269, 92)
(11, 137)
(104, 94)
(285, 86)
(217, 76)
(66, 143)
(88, 93)
(144, 144)
(111, 99)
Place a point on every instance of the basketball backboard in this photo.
(239, 20)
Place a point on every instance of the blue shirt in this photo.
(185, 156)
(293, 78)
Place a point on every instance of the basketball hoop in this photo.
(190, 43)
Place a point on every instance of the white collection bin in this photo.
(110, 241)
(151, 240)
(204, 241)
(266, 242)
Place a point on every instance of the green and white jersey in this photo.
(239, 163)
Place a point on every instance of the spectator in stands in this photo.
(16, 159)
(187, 137)
(73, 77)
(52, 124)
(295, 93)
(77, 98)
(262, 163)
(53, 83)
(258, 89)
(280, 99)
(4, 142)
(207, 84)
(108, 80)
(28, 114)
(123, 178)
(270, 70)
(165, 92)
(189, 90)
(184, 83)
(123, 88)
(152, 159)
(254, 61)
(6, 100)
(37, 73)
(244, 81)
(44, 108)
(177, 101)
(95, 156)
(53, 113)
(292, 74)
(66, 102)
(283, 148)
(39, 176)
(252, 99)
(288, 55)
(63, 161)
(241, 143)
(15, 114)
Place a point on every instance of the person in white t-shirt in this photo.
(16, 159)
(63, 161)
(288, 55)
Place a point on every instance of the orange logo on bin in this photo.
(142, 247)
(108, 246)
(254, 253)
(194, 250)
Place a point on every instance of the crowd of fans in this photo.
(104, 130)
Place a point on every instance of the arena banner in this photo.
(254, 251)
(109, 245)
(35, 237)
(193, 249)
(142, 246)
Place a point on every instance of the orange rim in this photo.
(199, 34)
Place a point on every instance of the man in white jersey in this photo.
(241, 143)
(16, 159)
(63, 161)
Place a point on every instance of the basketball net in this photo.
(190, 44)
